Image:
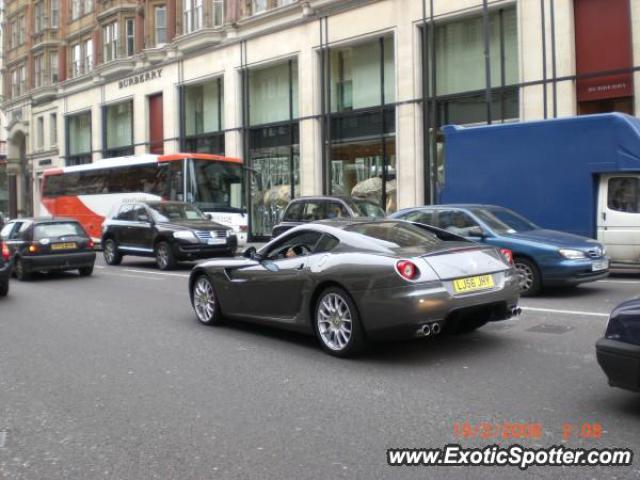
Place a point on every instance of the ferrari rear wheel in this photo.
(205, 301)
(337, 323)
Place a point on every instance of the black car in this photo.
(310, 209)
(168, 231)
(48, 244)
(5, 269)
(618, 351)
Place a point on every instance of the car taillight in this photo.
(507, 254)
(407, 269)
(90, 244)
(5, 252)
(33, 248)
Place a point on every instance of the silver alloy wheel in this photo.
(204, 300)
(526, 276)
(109, 251)
(334, 321)
(162, 256)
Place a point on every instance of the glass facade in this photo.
(360, 139)
(78, 139)
(118, 130)
(273, 143)
(202, 117)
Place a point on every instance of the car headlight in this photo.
(185, 235)
(572, 254)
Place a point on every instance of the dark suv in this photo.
(310, 209)
(168, 231)
(47, 244)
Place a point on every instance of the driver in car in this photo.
(296, 251)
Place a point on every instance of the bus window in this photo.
(215, 185)
(53, 185)
(176, 181)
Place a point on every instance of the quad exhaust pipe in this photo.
(516, 311)
(429, 329)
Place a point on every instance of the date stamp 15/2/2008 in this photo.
(524, 430)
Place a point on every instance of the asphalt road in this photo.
(112, 377)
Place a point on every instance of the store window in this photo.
(202, 117)
(274, 152)
(78, 139)
(361, 144)
(118, 130)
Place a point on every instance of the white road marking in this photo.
(622, 282)
(99, 266)
(566, 312)
(156, 273)
(132, 276)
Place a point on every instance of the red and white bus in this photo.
(88, 192)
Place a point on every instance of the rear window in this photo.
(57, 230)
(364, 208)
(402, 235)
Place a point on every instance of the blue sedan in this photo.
(544, 258)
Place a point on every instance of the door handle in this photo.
(300, 267)
(604, 215)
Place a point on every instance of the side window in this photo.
(420, 216)
(5, 233)
(140, 214)
(624, 194)
(125, 213)
(295, 245)
(336, 210)
(326, 244)
(313, 211)
(456, 222)
(294, 212)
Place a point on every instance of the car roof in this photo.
(451, 205)
(44, 219)
(322, 197)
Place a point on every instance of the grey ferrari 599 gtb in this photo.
(348, 282)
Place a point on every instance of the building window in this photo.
(53, 66)
(192, 15)
(22, 27)
(15, 83)
(76, 6)
(38, 71)
(202, 117)
(22, 74)
(360, 141)
(88, 6)
(218, 13)
(76, 60)
(110, 42)
(130, 32)
(78, 139)
(161, 25)
(53, 130)
(55, 13)
(40, 133)
(88, 55)
(38, 17)
(258, 6)
(118, 130)
(274, 152)
(14, 34)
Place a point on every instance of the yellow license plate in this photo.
(472, 284)
(64, 246)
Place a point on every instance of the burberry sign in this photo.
(141, 78)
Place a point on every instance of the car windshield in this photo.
(57, 230)
(396, 234)
(501, 220)
(364, 208)
(170, 212)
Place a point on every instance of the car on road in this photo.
(5, 268)
(543, 258)
(169, 231)
(618, 352)
(349, 281)
(311, 209)
(48, 244)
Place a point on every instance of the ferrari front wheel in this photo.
(205, 301)
(337, 323)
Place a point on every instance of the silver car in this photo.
(348, 282)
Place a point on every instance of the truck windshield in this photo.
(215, 185)
(501, 220)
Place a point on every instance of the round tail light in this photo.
(407, 269)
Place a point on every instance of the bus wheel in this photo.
(164, 256)
(111, 254)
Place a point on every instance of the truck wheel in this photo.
(530, 281)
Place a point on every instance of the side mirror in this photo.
(476, 232)
(250, 253)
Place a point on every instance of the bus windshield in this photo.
(215, 185)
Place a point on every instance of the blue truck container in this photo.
(563, 174)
